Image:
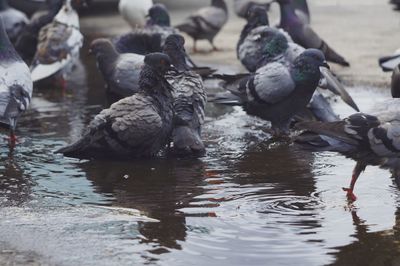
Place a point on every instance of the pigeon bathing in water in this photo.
(59, 45)
(121, 72)
(14, 20)
(27, 40)
(189, 100)
(277, 92)
(15, 84)
(368, 139)
(135, 11)
(206, 22)
(136, 126)
(304, 35)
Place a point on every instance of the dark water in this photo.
(247, 202)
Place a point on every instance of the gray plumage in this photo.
(15, 83)
(304, 35)
(206, 22)
(370, 139)
(14, 20)
(277, 92)
(121, 72)
(302, 11)
(189, 101)
(136, 126)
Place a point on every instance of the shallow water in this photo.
(247, 202)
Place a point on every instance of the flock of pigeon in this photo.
(157, 94)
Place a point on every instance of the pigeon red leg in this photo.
(358, 169)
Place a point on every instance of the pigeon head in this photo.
(67, 15)
(101, 46)
(174, 48)
(158, 15)
(257, 15)
(158, 62)
(306, 67)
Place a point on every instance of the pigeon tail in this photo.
(332, 56)
(389, 63)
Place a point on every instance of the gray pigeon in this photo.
(372, 139)
(13, 19)
(277, 92)
(58, 46)
(304, 35)
(265, 45)
(206, 23)
(121, 72)
(15, 85)
(189, 100)
(242, 7)
(134, 127)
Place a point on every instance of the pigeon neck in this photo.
(151, 81)
(301, 5)
(254, 23)
(3, 5)
(304, 73)
(220, 4)
(162, 20)
(107, 57)
(178, 57)
(287, 14)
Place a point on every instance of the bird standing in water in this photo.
(15, 85)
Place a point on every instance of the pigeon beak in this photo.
(330, 82)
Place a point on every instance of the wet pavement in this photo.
(247, 202)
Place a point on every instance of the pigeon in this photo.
(121, 72)
(58, 46)
(138, 126)
(396, 3)
(389, 63)
(189, 100)
(15, 85)
(304, 35)
(369, 139)
(13, 19)
(27, 40)
(149, 39)
(264, 45)
(277, 92)
(396, 82)
(206, 23)
(242, 6)
(135, 12)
